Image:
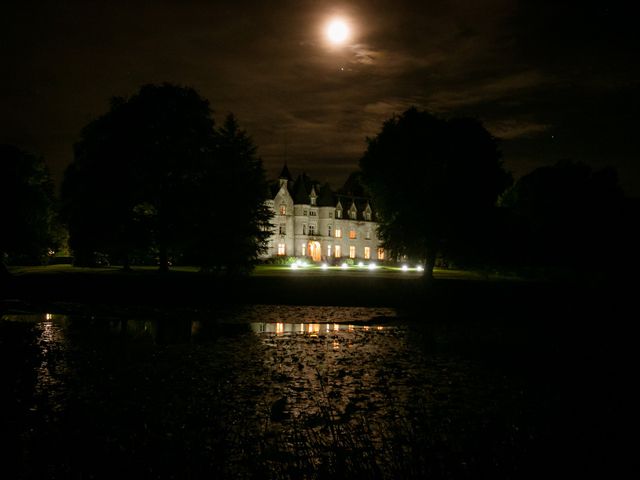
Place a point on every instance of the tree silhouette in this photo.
(433, 180)
(232, 221)
(574, 214)
(26, 207)
(153, 174)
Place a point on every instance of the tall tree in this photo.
(432, 181)
(26, 207)
(155, 173)
(232, 223)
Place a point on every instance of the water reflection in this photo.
(310, 329)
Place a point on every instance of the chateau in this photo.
(313, 221)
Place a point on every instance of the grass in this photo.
(264, 270)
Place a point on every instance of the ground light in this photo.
(344, 266)
(372, 266)
(404, 268)
(294, 266)
(419, 268)
(324, 266)
(360, 264)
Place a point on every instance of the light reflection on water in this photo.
(311, 329)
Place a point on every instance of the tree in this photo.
(154, 175)
(574, 215)
(432, 180)
(26, 207)
(232, 223)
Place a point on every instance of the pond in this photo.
(258, 391)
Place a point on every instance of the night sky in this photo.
(555, 80)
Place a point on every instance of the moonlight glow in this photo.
(337, 31)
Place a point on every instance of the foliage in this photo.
(433, 182)
(26, 207)
(573, 215)
(153, 176)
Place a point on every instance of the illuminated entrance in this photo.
(314, 251)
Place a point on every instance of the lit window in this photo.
(352, 234)
(338, 251)
(283, 209)
(303, 249)
(328, 250)
(281, 250)
(352, 251)
(367, 253)
(338, 233)
(381, 254)
(329, 231)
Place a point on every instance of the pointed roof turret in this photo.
(284, 174)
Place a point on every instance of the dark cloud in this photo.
(553, 79)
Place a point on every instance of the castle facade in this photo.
(312, 221)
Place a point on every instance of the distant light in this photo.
(372, 266)
(344, 266)
(419, 268)
(404, 268)
(324, 266)
(360, 264)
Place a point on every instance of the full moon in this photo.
(337, 31)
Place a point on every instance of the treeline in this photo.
(444, 197)
(155, 181)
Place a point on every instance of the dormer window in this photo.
(338, 213)
(283, 209)
(353, 214)
(313, 200)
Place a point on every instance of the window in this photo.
(313, 200)
(281, 250)
(367, 216)
(352, 251)
(329, 231)
(303, 249)
(368, 235)
(338, 213)
(304, 228)
(282, 230)
(305, 212)
(352, 214)
(312, 229)
(313, 213)
(328, 250)
(352, 234)
(367, 253)
(338, 233)
(330, 214)
(381, 254)
(283, 209)
(338, 251)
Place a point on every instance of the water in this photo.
(271, 391)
